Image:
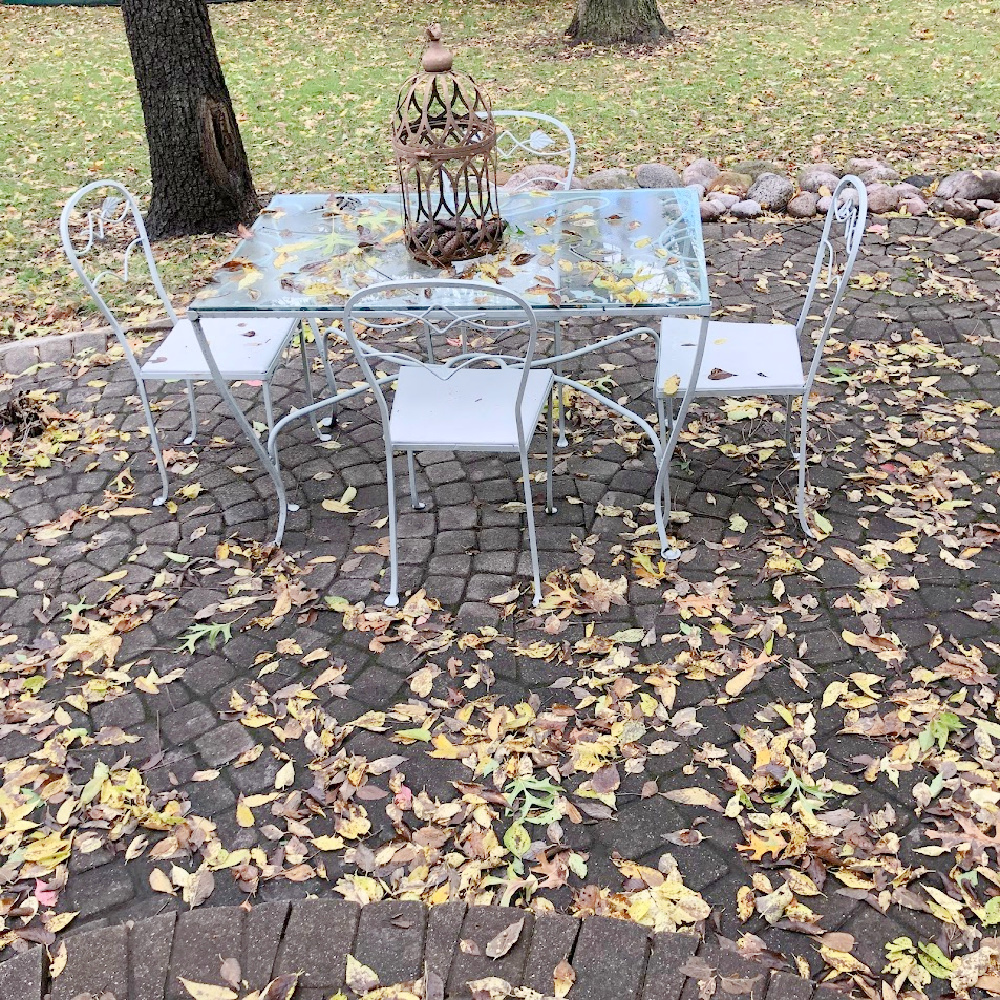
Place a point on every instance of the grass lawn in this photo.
(913, 80)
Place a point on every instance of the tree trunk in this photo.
(610, 22)
(201, 177)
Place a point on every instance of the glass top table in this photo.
(565, 252)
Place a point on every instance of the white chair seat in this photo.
(244, 348)
(741, 359)
(466, 409)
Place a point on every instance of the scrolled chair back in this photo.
(105, 240)
(532, 144)
(442, 325)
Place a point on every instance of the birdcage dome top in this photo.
(441, 112)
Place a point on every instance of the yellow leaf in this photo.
(58, 961)
(244, 816)
(327, 843)
(159, 882)
(671, 385)
(694, 797)
(285, 775)
(738, 682)
(343, 505)
(206, 991)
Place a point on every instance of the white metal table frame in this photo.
(663, 448)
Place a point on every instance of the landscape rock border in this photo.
(750, 188)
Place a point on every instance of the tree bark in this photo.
(611, 22)
(201, 177)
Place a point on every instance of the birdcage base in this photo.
(443, 241)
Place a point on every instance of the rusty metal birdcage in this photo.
(444, 141)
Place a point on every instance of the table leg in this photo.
(557, 347)
(661, 491)
(251, 435)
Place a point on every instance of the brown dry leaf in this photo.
(360, 978)
(499, 945)
(563, 978)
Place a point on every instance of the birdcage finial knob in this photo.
(437, 57)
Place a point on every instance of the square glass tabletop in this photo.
(564, 251)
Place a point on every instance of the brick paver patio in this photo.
(906, 431)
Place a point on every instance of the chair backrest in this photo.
(103, 235)
(533, 144)
(846, 218)
(443, 326)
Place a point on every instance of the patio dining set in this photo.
(449, 349)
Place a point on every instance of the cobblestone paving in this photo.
(400, 941)
(465, 549)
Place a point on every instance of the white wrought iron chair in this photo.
(762, 359)
(249, 348)
(529, 135)
(483, 396)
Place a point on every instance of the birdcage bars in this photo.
(444, 141)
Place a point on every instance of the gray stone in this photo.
(188, 722)
(444, 926)
(754, 168)
(125, 711)
(96, 962)
(812, 179)
(97, 891)
(391, 940)
(730, 182)
(552, 940)
(664, 978)
(225, 744)
(785, 986)
(699, 189)
(610, 178)
(992, 221)
(920, 181)
(970, 185)
(710, 210)
(880, 172)
(772, 192)
(701, 171)
(202, 939)
(986, 204)
(149, 944)
(725, 200)
(746, 209)
(265, 926)
(905, 190)
(481, 925)
(956, 208)
(318, 938)
(914, 205)
(657, 175)
(21, 976)
(609, 959)
(882, 198)
(803, 205)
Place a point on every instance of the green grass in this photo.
(913, 80)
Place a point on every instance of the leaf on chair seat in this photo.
(717, 374)
(671, 385)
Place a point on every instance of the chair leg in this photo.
(788, 424)
(190, 439)
(268, 405)
(328, 372)
(415, 500)
(310, 399)
(154, 443)
(529, 511)
(392, 600)
(550, 507)
(800, 500)
(557, 347)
